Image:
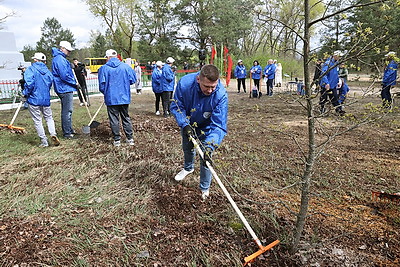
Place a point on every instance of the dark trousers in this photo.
(270, 86)
(257, 83)
(166, 101)
(114, 112)
(82, 92)
(241, 81)
(386, 96)
(158, 99)
(329, 96)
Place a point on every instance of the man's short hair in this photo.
(210, 72)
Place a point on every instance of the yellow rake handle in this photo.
(235, 207)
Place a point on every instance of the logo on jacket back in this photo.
(206, 115)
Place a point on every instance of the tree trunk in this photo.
(306, 179)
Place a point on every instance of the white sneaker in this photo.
(117, 143)
(158, 113)
(205, 194)
(182, 174)
(130, 142)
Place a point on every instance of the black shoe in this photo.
(341, 112)
(69, 136)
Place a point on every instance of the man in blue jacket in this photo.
(389, 78)
(329, 82)
(269, 72)
(38, 81)
(200, 107)
(115, 79)
(240, 74)
(64, 85)
(156, 84)
(167, 85)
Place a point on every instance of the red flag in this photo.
(225, 51)
(213, 54)
(229, 70)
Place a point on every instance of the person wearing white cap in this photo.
(64, 85)
(115, 80)
(38, 81)
(240, 74)
(167, 85)
(156, 84)
(389, 78)
(329, 82)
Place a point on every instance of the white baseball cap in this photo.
(170, 60)
(66, 45)
(391, 54)
(338, 53)
(240, 60)
(111, 53)
(39, 56)
(159, 63)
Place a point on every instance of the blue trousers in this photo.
(67, 101)
(189, 156)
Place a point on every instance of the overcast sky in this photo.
(31, 14)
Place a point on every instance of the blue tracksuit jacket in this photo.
(208, 114)
(115, 79)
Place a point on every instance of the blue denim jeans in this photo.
(67, 101)
(189, 156)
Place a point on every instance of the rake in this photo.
(15, 129)
(262, 249)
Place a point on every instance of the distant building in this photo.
(10, 58)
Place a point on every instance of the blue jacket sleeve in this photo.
(218, 124)
(324, 79)
(102, 80)
(177, 107)
(29, 82)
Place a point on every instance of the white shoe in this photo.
(130, 142)
(158, 113)
(182, 174)
(117, 143)
(205, 194)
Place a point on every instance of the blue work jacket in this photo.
(269, 71)
(390, 74)
(167, 78)
(256, 74)
(115, 79)
(240, 72)
(38, 81)
(156, 80)
(332, 77)
(64, 79)
(207, 114)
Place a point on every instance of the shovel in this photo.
(92, 124)
(262, 249)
